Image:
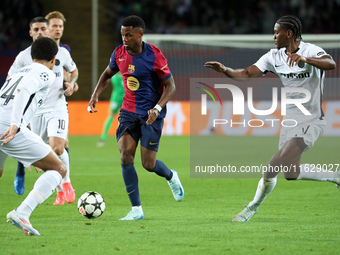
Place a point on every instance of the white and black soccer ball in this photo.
(91, 205)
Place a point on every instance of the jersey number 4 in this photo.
(8, 93)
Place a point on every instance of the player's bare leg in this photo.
(287, 159)
(65, 191)
(289, 154)
(297, 171)
(55, 170)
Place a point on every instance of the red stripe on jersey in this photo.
(161, 67)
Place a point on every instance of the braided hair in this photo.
(293, 23)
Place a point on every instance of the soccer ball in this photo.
(91, 205)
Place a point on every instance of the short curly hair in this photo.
(44, 48)
(134, 21)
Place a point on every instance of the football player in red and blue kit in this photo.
(148, 85)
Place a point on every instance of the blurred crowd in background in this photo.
(230, 17)
(186, 16)
(15, 16)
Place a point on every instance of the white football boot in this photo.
(134, 214)
(245, 215)
(22, 223)
(176, 187)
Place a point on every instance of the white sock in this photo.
(66, 160)
(311, 172)
(43, 188)
(139, 208)
(265, 186)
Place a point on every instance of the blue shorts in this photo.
(135, 125)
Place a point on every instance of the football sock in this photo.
(265, 186)
(138, 208)
(131, 183)
(43, 188)
(313, 173)
(20, 170)
(59, 188)
(66, 160)
(162, 170)
(106, 128)
(68, 152)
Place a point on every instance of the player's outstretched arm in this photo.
(325, 62)
(169, 91)
(238, 74)
(104, 80)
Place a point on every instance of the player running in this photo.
(149, 85)
(56, 21)
(299, 65)
(21, 96)
(51, 119)
(38, 29)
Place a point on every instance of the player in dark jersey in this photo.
(148, 85)
(66, 46)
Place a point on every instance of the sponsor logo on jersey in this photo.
(57, 62)
(131, 69)
(132, 83)
(296, 75)
(320, 53)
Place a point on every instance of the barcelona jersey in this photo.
(142, 77)
(65, 46)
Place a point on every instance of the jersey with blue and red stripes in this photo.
(66, 46)
(142, 77)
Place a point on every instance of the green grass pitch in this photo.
(299, 217)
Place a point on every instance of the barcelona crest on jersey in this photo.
(131, 69)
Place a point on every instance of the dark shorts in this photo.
(135, 125)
